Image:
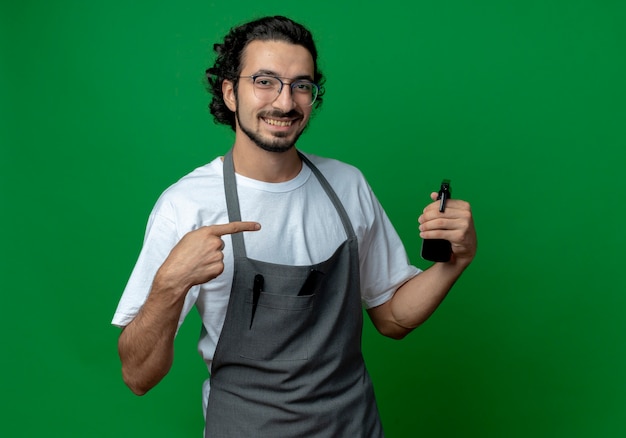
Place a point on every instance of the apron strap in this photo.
(347, 225)
(232, 200)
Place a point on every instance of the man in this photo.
(278, 251)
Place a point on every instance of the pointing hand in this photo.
(198, 256)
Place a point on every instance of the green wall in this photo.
(520, 103)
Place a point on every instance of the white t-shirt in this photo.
(299, 226)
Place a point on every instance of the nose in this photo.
(284, 101)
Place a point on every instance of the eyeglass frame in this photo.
(282, 84)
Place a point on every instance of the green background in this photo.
(522, 104)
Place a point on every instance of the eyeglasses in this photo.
(268, 88)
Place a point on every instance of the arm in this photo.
(418, 298)
(146, 345)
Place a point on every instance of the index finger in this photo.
(452, 205)
(234, 227)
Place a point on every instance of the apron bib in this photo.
(288, 362)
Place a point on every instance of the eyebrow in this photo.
(273, 73)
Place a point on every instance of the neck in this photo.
(253, 162)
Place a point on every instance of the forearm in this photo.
(146, 345)
(419, 297)
(415, 301)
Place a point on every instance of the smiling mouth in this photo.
(275, 122)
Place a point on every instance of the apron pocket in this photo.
(280, 328)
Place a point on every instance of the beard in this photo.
(279, 143)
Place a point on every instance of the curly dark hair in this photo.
(229, 53)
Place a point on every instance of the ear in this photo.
(228, 90)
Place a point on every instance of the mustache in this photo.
(277, 114)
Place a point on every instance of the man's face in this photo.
(273, 125)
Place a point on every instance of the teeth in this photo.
(278, 122)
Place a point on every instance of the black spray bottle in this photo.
(439, 250)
